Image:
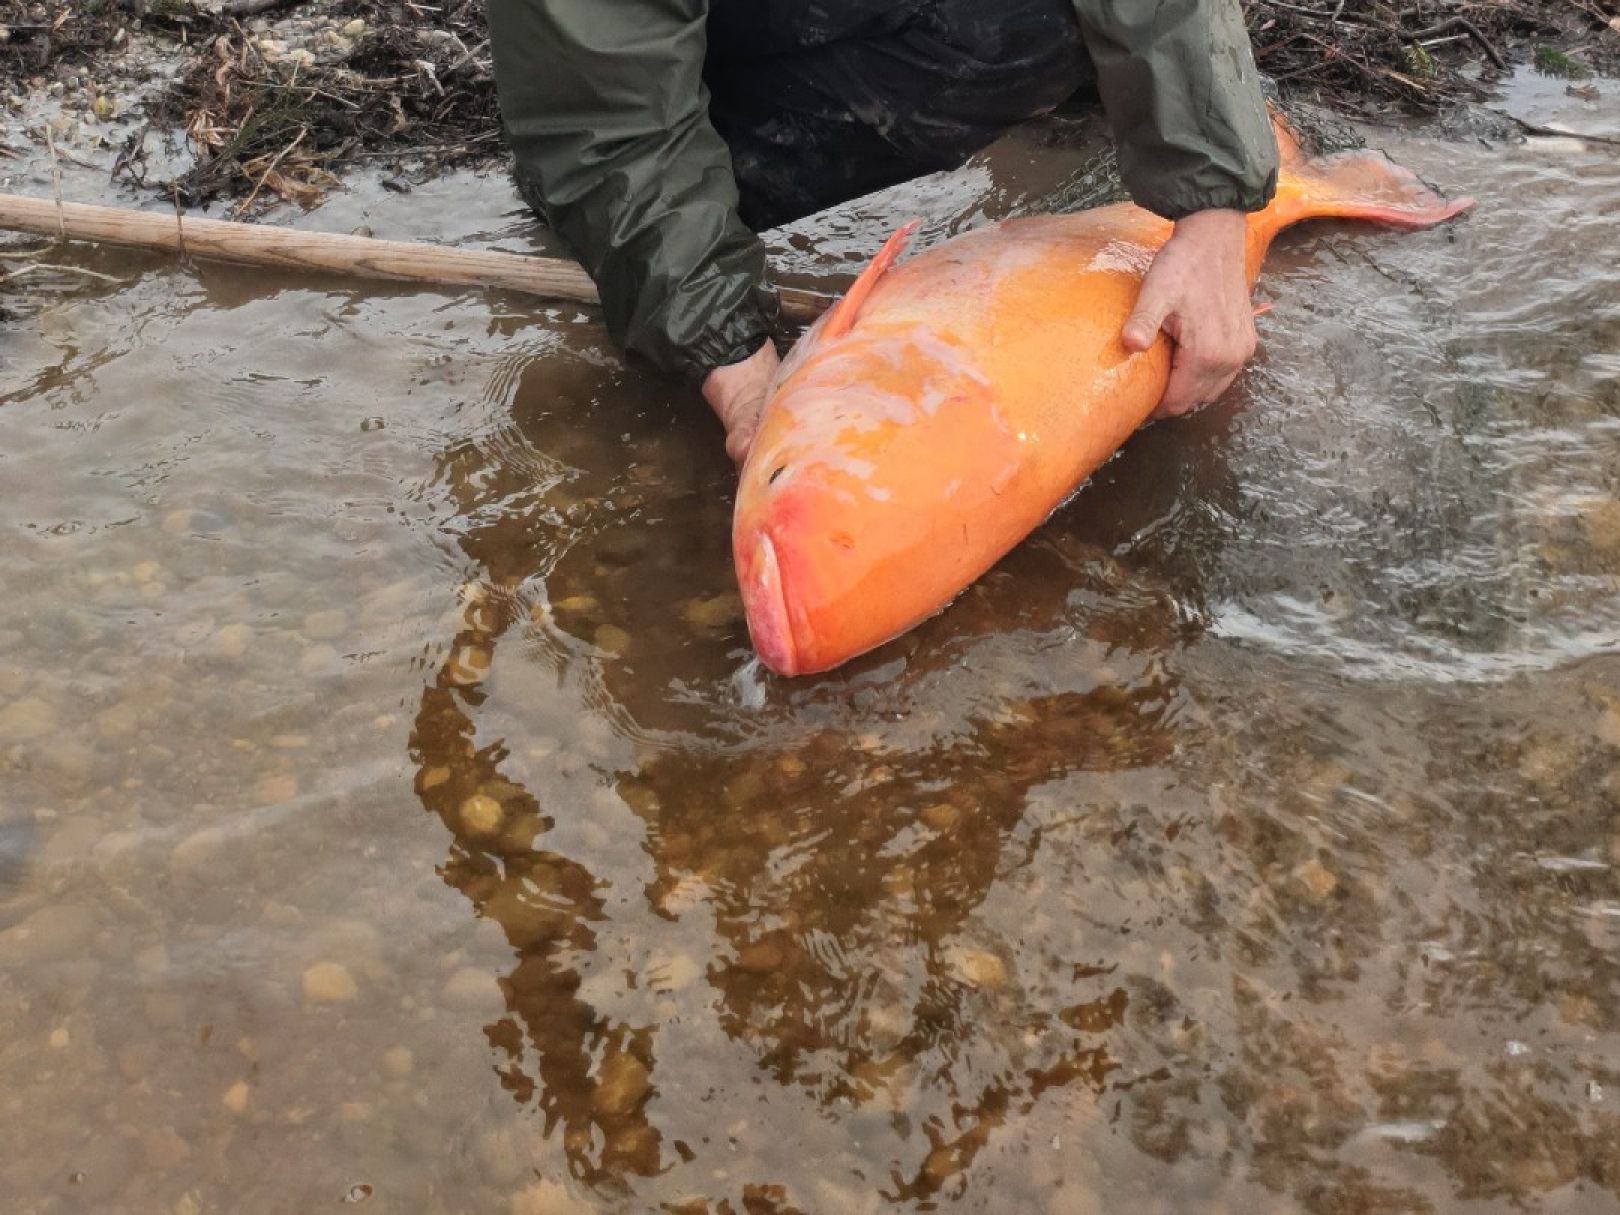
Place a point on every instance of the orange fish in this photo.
(946, 406)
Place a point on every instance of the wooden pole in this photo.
(363, 256)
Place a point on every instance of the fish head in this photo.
(867, 455)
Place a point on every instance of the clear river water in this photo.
(392, 813)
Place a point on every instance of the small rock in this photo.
(275, 789)
(714, 613)
(231, 641)
(318, 659)
(197, 850)
(121, 719)
(941, 816)
(236, 1097)
(762, 956)
(1548, 761)
(60, 1038)
(353, 29)
(1317, 879)
(329, 983)
(470, 987)
(27, 718)
(164, 1148)
(611, 640)
(622, 1081)
(1608, 727)
(480, 815)
(1601, 524)
(548, 1198)
(398, 1061)
(60, 931)
(146, 571)
(977, 968)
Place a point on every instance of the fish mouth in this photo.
(765, 604)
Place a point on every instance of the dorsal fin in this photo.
(842, 317)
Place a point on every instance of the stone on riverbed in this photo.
(329, 983)
(25, 719)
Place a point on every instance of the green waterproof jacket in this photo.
(606, 111)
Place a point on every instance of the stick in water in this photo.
(363, 256)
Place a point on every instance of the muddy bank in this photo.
(260, 102)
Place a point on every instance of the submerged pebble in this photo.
(622, 1081)
(471, 987)
(611, 640)
(231, 641)
(1317, 879)
(329, 983)
(26, 719)
(712, 613)
(1600, 522)
(549, 1198)
(977, 968)
(480, 815)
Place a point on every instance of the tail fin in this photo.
(1354, 185)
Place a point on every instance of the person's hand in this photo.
(1197, 293)
(737, 395)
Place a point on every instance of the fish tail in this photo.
(1361, 184)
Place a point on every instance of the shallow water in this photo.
(392, 812)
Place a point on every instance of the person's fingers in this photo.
(1184, 389)
(740, 439)
(1197, 377)
(1147, 318)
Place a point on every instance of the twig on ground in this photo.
(32, 266)
(247, 202)
(1532, 128)
(1467, 27)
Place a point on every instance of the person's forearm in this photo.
(1178, 82)
(603, 107)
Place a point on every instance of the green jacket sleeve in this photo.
(605, 109)
(1178, 81)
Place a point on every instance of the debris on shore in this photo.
(266, 101)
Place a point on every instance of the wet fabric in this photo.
(656, 136)
(817, 114)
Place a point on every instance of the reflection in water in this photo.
(841, 867)
(844, 852)
(1246, 841)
